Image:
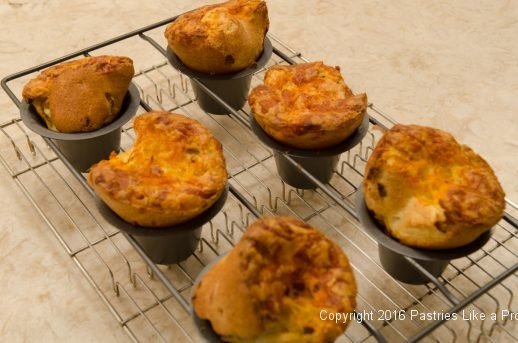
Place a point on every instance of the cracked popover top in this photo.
(81, 95)
(429, 191)
(221, 38)
(275, 283)
(307, 106)
(174, 172)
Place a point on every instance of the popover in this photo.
(221, 38)
(174, 171)
(429, 191)
(80, 95)
(274, 284)
(307, 106)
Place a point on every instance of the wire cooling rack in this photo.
(152, 302)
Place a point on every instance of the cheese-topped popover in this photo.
(429, 191)
(221, 38)
(174, 171)
(277, 284)
(80, 95)
(307, 106)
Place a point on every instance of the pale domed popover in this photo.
(221, 38)
(80, 95)
(429, 191)
(275, 283)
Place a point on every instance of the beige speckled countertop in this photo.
(452, 65)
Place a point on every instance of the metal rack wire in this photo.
(151, 302)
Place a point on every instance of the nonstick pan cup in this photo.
(83, 149)
(232, 88)
(166, 245)
(393, 255)
(321, 167)
(398, 267)
(233, 91)
(319, 163)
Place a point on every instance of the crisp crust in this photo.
(429, 191)
(175, 171)
(307, 106)
(220, 38)
(272, 286)
(81, 95)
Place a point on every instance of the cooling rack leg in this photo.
(158, 273)
(433, 279)
(375, 333)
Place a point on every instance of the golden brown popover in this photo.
(273, 286)
(175, 171)
(307, 105)
(429, 191)
(221, 38)
(81, 95)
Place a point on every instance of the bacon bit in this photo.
(306, 127)
(288, 96)
(163, 119)
(99, 179)
(103, 66)
(267, 104)
(192, 150)
(156, 170)
(441, 226)
(382, 190)
(229, 59)
(185, 129)
(304, 75)
(203, 193)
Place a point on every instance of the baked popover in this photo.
(221, 38)
(80, 95)
(307, 106)
(429, 191)
(174, 172)
(275, 283)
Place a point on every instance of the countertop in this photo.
(450, 65)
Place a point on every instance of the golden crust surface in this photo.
(220, 38)
(175, 171)
(429, 191)
(80, 95)
(272, 286)
(307, 105)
